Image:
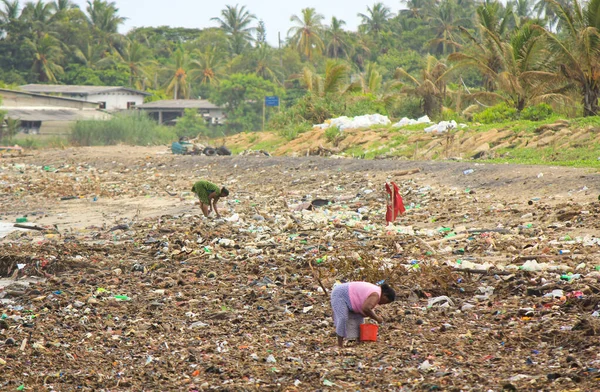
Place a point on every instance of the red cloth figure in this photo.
(395, 205)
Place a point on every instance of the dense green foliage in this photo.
(134, 128)
(426, 58)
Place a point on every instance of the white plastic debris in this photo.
(426, 366)
(444, 126)
(364, 121)
(442, 302)
(409, 121)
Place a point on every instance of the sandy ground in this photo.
(510, 183)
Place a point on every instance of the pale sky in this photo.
(276, 14)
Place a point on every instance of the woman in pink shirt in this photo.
(352, 301)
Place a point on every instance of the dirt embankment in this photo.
(417, 144)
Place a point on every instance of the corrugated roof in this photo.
(28, 93)
(82, 90)
(53, 114)
(179, 104)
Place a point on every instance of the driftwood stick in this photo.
(318, 278)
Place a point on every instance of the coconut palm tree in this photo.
(91, 55)
(47, 55)
(578, 48)
(336, 38)
(416, 9)
(39, 16)
(11, 11)
(445, 20)
(361, 52)
(335, 80)
(265, 64)
(306, 34)
(236, 22)
(483, 51)
(10, 18)
(376, 19)
(64, 5)
(370, 81)
(430, 89)
(208, 67)
(136, 57)
(177, 72)
(522, 77)
(104, 16)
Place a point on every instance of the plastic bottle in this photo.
(468, 171)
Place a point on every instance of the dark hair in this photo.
(224, 192)
(388, 292)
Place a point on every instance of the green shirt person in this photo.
(209, 195)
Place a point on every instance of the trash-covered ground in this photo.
(123, 286)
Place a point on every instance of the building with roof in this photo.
(47, 115)
(168, 111)
(110, 98)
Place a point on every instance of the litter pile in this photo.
(493, 293)
(365, 121)
(409, 121)
(369, 120)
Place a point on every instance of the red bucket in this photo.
(368, 332)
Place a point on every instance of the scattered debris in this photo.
(492, 291)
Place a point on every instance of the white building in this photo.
(168, 111)
(110, 98)
(47, 115)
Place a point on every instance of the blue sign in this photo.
(272, 101)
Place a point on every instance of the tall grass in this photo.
(134, 128)
(36, 142)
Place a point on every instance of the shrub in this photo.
(134, 128)
(191, 124)
(292, 131)
(334, 135)
(539, 112)
(406, 107)
(496, 114)
(359, 105)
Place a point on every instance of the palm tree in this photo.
(39, 15)
(10, 12)
(136, 57)
(64, 5)
(415, 9)
(578, 48)
(545, 9)
(361, 53)
(521, 76)
(208, 67)
(483, 52)
(47, 56)
(9, 17)
(177, 71)
(337, 45)
(265, 64)
(103, 18)
(370, 81)
(306, 35)
(236, 22)
(376, 19)
(91, 55)
(335, 80)
(430, 89)
(445, 20)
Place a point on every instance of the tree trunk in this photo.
(590, 100)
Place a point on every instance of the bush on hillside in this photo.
(543, 111)
(496, 114)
